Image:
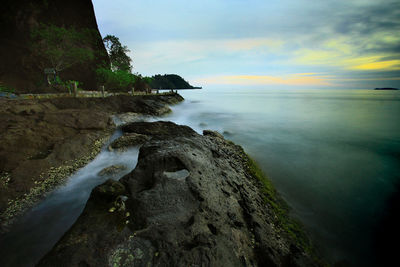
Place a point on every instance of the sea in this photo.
(333, 155)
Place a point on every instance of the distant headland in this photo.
(386, 88)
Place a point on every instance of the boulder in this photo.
(159, 129)
(190, 201)
(213, 134)
(128, 117)
(40, 136)
(112, 170)
(129, 139)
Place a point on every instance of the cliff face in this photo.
(17, 20)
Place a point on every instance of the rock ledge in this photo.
(192, 200)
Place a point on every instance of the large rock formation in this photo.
(39, 136)
(192, 200)
(18, 68)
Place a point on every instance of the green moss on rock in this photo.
(5, 178)
(47, 182)
(280, 209)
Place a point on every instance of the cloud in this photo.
(300, 79)
(367, 53)
(379, 65)
(347, 62)
(205, 55)
(353, 41)
(368, 18)
(205, 46)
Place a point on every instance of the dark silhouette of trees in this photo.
(60, 48)
(118, 78)
(169, 81)
(117, 54)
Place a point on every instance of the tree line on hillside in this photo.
(169, 81)
(60, 48)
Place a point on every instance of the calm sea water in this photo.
(332, 154)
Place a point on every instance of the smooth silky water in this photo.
(38, 231)
(332, 154)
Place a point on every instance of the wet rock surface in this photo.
(190, 201)
(112, 170)
(44, 141)
(128, 140)
(127, 117)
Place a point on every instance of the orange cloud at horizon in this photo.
(343, 54)
(295, 80)
(379, 65)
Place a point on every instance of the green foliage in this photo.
(279, 208)
(69, 85)
(45, 3)
(142, 83)
(6, 89)
(116, 81)
(59, 81)
(60, 47)
(169, 81)
(119, 78)
(148, 80)
(117, 53)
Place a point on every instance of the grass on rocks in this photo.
(47, 182)
(280, 209)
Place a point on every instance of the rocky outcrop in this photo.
(127, 117)
(18, 68)
(192, 200)
(112, 170)
(128, 140)
(45, 141)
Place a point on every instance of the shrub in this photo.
(6, 89)
(116, 81)
(60, 47)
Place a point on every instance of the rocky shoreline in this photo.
(45, 141)
(192, 200)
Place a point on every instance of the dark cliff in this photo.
(17, 20)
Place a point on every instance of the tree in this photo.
(117, 54)
(116, 81)
(169, 81)
(119, 77)
(142, 84)
(61, 48)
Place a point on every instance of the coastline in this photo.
(260, 214)
(192, 199)
(45, 141)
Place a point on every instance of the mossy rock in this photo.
(129, 139)
(109, 190)
(112, 170)
(288, 225)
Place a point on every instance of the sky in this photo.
(345, 44)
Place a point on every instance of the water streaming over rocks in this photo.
(36, 233)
